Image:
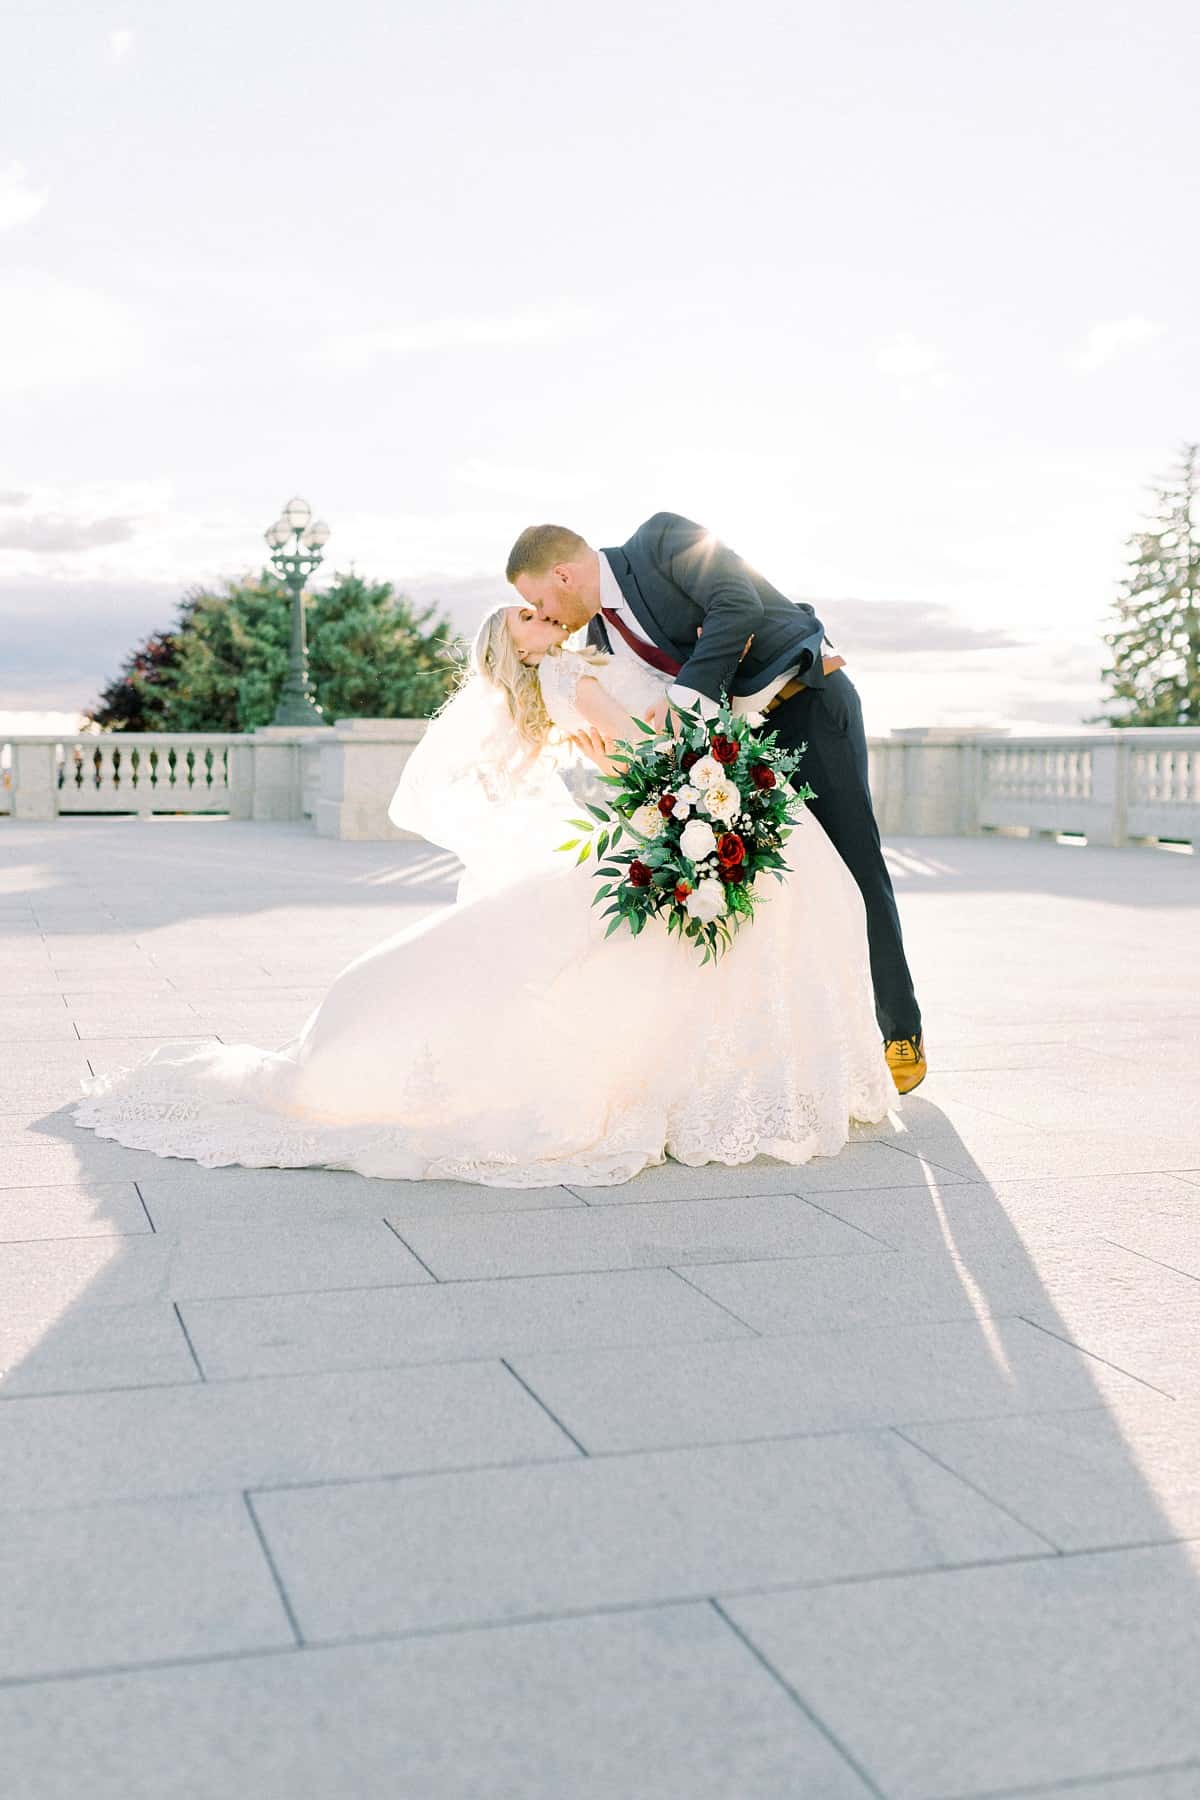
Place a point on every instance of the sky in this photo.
(896, 299)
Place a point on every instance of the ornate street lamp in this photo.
(296, 546)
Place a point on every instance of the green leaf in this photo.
(571, 844)
(583, 855)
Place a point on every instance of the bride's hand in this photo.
(593, 746)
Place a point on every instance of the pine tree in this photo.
(372, 654)
(1154, 676)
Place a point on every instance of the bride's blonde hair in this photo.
(494, 656)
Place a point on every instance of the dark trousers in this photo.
(829, 720)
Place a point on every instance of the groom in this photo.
(690, 607)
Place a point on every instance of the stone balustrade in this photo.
(1111, 787)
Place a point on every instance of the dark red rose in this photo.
(762, 776)
(666, 805)
(732, 873)
(639, 875)
(682, 890)
(726, 750)
(689, 759)
(730, 850)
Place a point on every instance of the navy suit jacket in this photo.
(676, 577)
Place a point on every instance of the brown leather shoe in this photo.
(906, 1060)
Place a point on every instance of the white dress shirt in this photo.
(613, 600)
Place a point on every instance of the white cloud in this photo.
(19, 201)
(120, 45)
(53, 333)
(357, 349)
(1112, 338)
(910, 360)
(531, 486)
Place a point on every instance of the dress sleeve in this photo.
(560, 677)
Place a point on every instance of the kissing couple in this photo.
(507, 1040)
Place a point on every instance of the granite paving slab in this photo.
(70, 1210)
(658, 1395)
(238, 1259)
(180, 1197)
(974, 1681)
(209, 1437)
(1127, 1472)
(1051, 1279)
(81, 1347)
(441, 1322)
(647, 1234)
(654, 1703)
(432, 1552)
(133, 1583)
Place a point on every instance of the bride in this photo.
(506, 1041)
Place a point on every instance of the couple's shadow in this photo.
(993, 1289)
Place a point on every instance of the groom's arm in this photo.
(715, 578)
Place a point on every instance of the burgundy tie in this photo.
(649, 653)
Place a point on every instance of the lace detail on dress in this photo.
(559, 677)
(143, 1111)
(631, 683)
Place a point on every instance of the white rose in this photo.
(707, 903)
(696, 840)
(688, 794)
(647, 821)
(702, 774)
(722, 798)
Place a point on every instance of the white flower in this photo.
(703, 773)
(696, 840)
(647, 821)
(722, 798)
(707, 903)
(686, 798)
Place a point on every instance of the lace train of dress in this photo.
(506, 1041)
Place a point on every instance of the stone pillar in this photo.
(1110, 791)
(241, 780)
(34, 780)
(361, 760)
(278, 785)
(939, 781)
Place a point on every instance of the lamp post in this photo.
(296, 544)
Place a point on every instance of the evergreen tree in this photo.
(1154, 676)
(372, 654)
(133, 700)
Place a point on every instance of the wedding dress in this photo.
(507, 1041)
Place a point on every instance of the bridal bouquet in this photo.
(694, 819)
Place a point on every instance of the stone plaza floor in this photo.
(875, 1477)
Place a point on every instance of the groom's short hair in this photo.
(539, 547)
